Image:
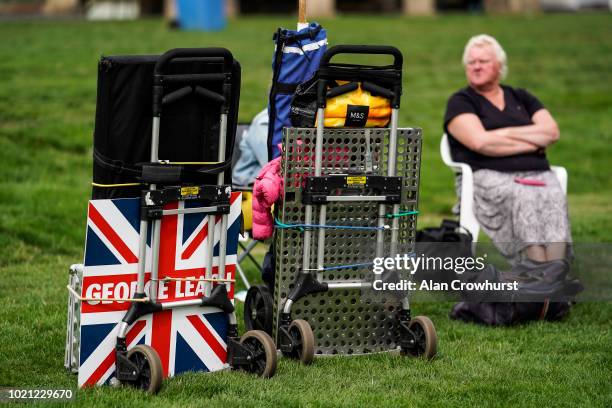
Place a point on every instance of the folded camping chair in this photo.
(241, 181)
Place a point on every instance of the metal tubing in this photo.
(142, 243)
(391, 163)
(380, 234)
(319, 141)
(243, 276)
(246, 254)
(223, 247)
(232, 318)
(321, 239)
(391, 159)
(308, 209)
(210, 246)
(405, 303)
(306, 253)
(288, 304)
(222, 146)
(220, 181)
(155, 240)
(195, 210)
(391, 170)
(142, 255)
(347, 285)
(181, 303)
(155, 139)
(123, 329)
(246, 250)
(354, 198)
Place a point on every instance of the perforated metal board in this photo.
(343, 321)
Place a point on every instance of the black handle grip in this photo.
(164, 59)
(210, 95)
(377, 90)
(342, 89)
(398, 59)
(176, 95)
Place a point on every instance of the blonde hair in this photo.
(482, 40)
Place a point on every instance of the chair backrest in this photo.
(445, 150)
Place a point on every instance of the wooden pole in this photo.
(302, 12)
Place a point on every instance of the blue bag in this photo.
(296, 58)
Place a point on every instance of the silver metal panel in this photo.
(73, 323)
(342, 321)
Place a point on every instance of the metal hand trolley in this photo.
(358, 177)
(254, 352)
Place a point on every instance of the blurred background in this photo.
(561, 50)
(131, 9)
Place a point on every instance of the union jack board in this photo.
(186, 338)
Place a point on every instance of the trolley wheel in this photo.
(264, 352)
(302, 340)
(150, 368)
(425, 338)
(258, 309)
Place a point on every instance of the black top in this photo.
(520, 106)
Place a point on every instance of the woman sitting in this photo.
(503, 133)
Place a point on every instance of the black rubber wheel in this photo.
(150, 367)
(302, 339)
(425, 337)
(264, 353)
(258, 309)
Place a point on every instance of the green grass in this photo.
(47, 105)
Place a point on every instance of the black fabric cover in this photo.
(448, 240)
(508, 313)
(546, 291)
(189, 130)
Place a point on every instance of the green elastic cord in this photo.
(401, 214)
(282, 225)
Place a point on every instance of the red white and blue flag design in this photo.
(186, 338)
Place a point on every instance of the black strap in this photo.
(285, 88)
(278, 57)
(138, 171)
(116, 166)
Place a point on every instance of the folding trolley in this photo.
(200, 188)
(356, 190)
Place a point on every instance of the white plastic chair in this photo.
(467, 219)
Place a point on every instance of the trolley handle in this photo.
(377, 90)
(203, 93)
(342, 89)
(228, 59)
(393, 94)
(398, 59)
(159, 78)
(366, 86)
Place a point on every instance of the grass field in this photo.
(47, 104)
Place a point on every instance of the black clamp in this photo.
(125, 369)
(219, 298)
(317, 189)
(152, 201)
